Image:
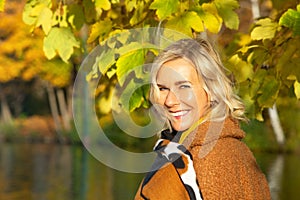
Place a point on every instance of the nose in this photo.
(171, 99)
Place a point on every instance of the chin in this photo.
(181, 128)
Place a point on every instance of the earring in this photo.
(213, 103)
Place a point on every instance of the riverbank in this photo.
(41, 129)
(36, 129)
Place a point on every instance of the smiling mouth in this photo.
(179, 114)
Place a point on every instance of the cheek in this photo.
(161, 98)
(202, 99)
(188, 97)
(197, 97)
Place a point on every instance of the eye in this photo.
(162, 88)
(184, 86)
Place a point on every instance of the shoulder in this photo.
(228, 168)
(226, 154)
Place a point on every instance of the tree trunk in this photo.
(255, 9)
(54, 110)
(63, 109)
(6, 115)
(277, 128)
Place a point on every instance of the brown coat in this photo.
(225, 167)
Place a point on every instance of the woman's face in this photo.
(181, 93)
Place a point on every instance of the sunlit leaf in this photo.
(100, 29)
(165, 8)
(133, 96)
(209, 15)
(103, 4)
(241, 69)
(226, 11)
(139, 14)
(297, 89)
(118, 35)
(106, 60)
(130, 5)
(185, 23)
(33, 9)
(133, 46)
(291, 19)
(128, 62)
(61, 41)
(265, 29)
(45, 20)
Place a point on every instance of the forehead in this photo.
(177, 70)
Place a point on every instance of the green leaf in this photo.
(268, 92)
(283, 63)
(139, 14)
(33, 9)
(60, 41)
(45, 20)
(226, 11)
(106, 60)
(258, 79)
(100, 29)
(133, 46)
(208, 13)
(75, 16)
(291, 19)
(2, 5)
(258, 56)
(165, 8)
(297, 89)
(136, 100)
(131, 97)
(185, 23)
(241, 69)
(134, 96)
(265, 29)
(128, 62)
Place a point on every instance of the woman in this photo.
(200, 154)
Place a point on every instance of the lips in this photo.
(179, 114)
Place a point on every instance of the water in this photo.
(62, 172)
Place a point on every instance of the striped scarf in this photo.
(169, 152)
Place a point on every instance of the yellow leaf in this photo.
(45, 20)
(297, 89)
(209, 14)
(185, 23)
(265, 29)
(100, 29)
(103, 4)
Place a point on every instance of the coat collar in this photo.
(210, 131)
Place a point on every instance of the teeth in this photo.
(180, 113)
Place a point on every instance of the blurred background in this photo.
(44, 42)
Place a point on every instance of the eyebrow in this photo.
(176, 83)
(182, 82)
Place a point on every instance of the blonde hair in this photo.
(223, 101)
